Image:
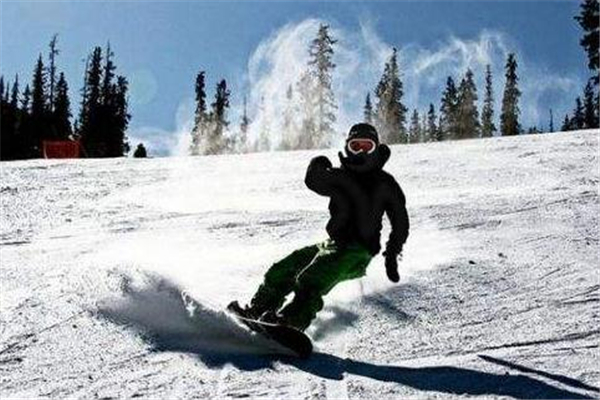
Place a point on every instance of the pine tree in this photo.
(578, 120)
(414, 130)
(38, 95)
(24, 142)
(391, 113)
(38, 112)
(8, 120)
(62, 108)
(509, 118)
(119, 145)
(244, 124)
(449, 111)
(468, 117)
(92, 137)
(104, 116)
(308, 133)
(288, 128)
(6, 124)
(14, 96)
(199, 131)
(424, 131)
(487, 113)
(216, 140)
(26, 100)
(107, 90)
(566, 126)
(140, 151)
(589, 21)
(590, 111)
(368, 110)
(432, 129)
(321, 66)
(52, 72)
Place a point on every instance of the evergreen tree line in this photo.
(309, 112)
(308, 118)
(585, 114)
(459, 116)
(208, 133)
(42, 110)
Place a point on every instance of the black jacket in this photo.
(360, 193)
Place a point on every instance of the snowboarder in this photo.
(360, 193)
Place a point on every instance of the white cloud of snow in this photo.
(360, 55)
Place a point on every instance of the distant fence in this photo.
(61, 149)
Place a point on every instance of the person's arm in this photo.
(319, 177)
(398, 216)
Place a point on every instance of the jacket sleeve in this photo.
(319, 176)
(396, 211)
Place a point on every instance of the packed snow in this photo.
(115, 274)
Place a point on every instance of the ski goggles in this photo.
(356, 146)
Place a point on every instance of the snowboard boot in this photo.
(246, 311)
(273, 318)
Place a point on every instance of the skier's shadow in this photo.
(442, 379)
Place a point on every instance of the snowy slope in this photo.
(114, 272)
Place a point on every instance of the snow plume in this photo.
(173, 320)
(426, 71)
(426, 249)
(279, 61)
(360, 56)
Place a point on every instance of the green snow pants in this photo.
(310, 272)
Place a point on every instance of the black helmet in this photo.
(363, 151)
(363, 131)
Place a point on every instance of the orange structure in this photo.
(61, 149)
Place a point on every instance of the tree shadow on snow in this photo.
(442, 379)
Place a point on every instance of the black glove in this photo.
(321, 162)
(391, 266)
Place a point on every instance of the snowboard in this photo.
(286, 336)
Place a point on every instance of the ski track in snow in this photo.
(114, 275)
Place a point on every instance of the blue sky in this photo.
(160, 46)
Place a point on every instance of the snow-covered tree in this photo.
(317, 105)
